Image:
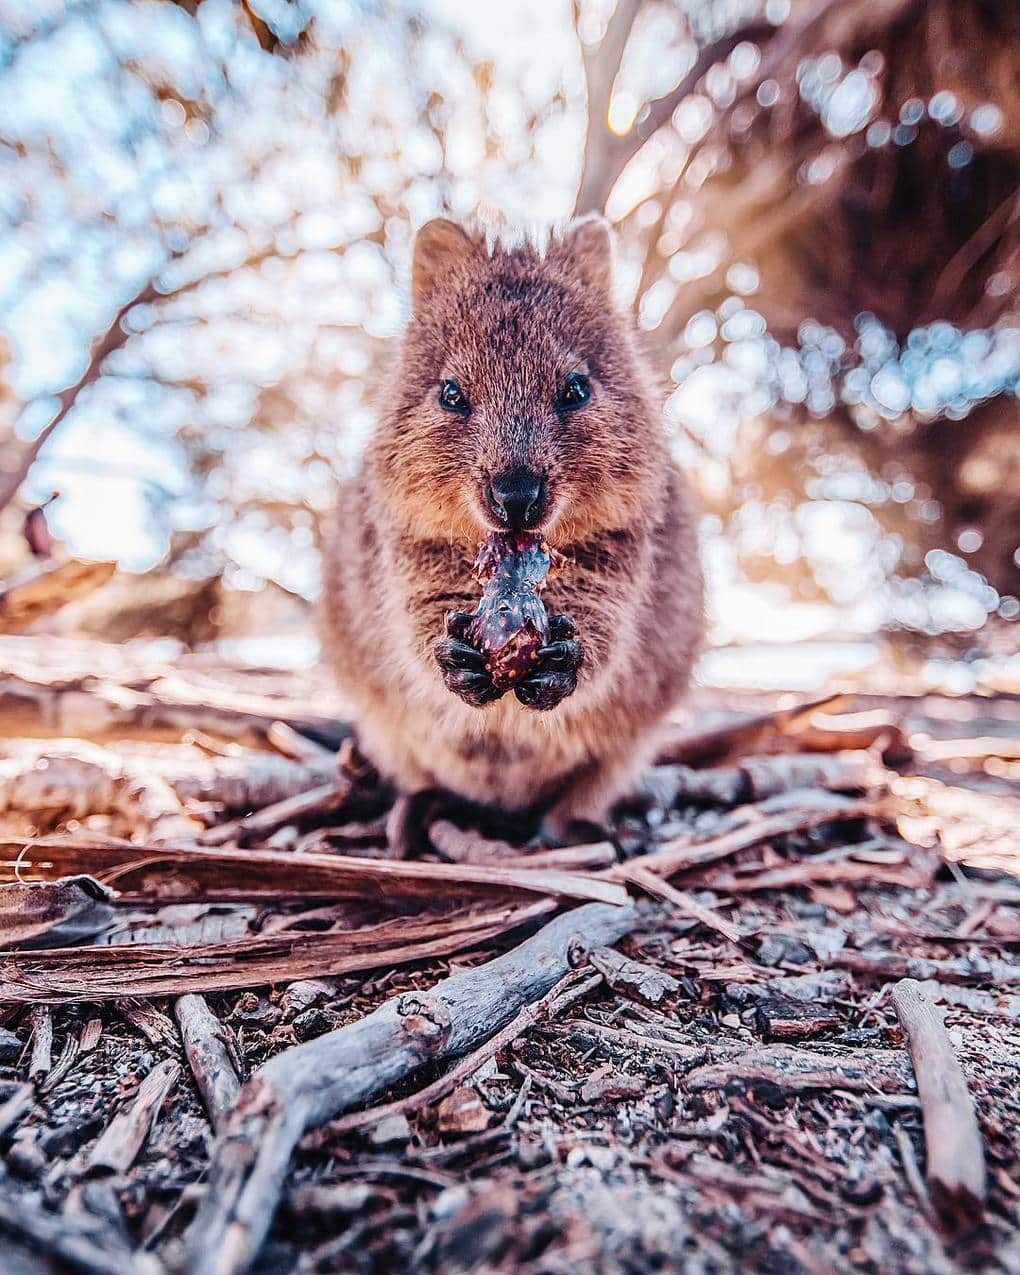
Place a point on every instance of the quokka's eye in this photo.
(576, 391)
(452, 398)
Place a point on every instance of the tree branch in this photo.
(607, 155)
(114, 338)
(311, 1083)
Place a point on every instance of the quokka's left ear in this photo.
(440, 247)
(588, 244)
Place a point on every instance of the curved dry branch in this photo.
(311, 1083)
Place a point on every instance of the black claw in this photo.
(475, 689)
(563, 655)
(464, 672)
(452, 654)
(561, 628)
(457, 623)
(545, 690)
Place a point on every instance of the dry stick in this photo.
(90, 974)
(17, 1105)
(564, 994)
(794, 1069)
(42, 1043)
(462, 846)
(757, 777)
(49, 588)
(80, 1241)
(912, 1171)
(692, 749)
(320, 800)
(956, 1162)
(599, 854)
(92, 707)
(676, 856)
(826, 872)
(68, 1057)
(226, 873)
(311, 1083)
(688, 905)
(125, 1135)
(254, 780)
(965, 970)
(207, 1047)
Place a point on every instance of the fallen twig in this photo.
(98, 709)
(462, 846)
(740, 736)
(793, 1069)
(823, 872)
(321, 800)
(686, 904)
(255, 780)
(967, 970)
(211, 1055)
(956, 1174)
(572, 987)
(219, 873)
(756, 778)
(683, 852)
(311, 1083)
(15, 1106)
(47, 589)
(125, 1135)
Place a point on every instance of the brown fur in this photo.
(508, 323)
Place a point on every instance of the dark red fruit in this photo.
(510, 623)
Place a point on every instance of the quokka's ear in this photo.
(588, 243)
(439, 247)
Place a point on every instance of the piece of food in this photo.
(510, 623)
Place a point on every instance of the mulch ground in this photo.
(191, 887)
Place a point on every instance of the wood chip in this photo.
(779, 1018)
(633, 979)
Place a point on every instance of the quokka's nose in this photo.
(517, 498)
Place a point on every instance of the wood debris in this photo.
(48, 588)
(724, 1086)
(955, 1172)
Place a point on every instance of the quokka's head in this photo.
(520, 401)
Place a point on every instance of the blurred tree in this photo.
(819, 231)
(227, 216)
(822, 201)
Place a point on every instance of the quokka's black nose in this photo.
(517, 498)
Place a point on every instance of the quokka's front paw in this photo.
(463, 667)
(557, 666)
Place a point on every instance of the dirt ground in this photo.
(731, 1087)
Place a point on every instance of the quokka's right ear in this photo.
(587, 243)
(439, 247)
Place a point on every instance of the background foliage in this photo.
(207, 209)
